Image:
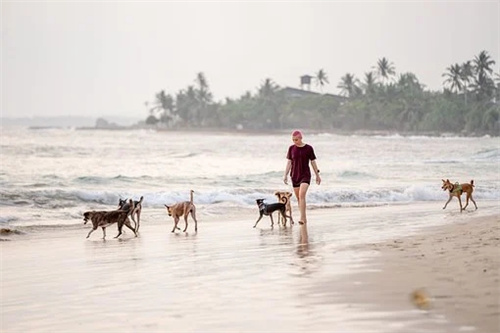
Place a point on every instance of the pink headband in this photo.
(297, 134)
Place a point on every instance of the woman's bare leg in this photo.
(300, 194)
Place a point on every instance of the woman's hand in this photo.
(285, 180)
(318, 179)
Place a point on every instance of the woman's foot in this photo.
(302, 222)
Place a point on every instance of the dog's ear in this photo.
(167, 206)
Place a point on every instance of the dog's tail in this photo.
(472, 182)
(140, 201)
(191, 200)
(284, 200)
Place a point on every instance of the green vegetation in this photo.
(383, 101)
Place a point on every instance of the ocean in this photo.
(51, 176)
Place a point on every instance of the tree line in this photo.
(383, 100)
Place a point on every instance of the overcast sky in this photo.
(100, 58)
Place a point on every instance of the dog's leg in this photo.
(447, 202)
(120, 226)
(283, 216)
(193, 215)
(103, 232)
(260, 217)
(176, 220)
(138, 220)
(128, 225)
(460, 202)
(473, 201)
(186, 214)
(467, 195)
(91, 231)
(272, 222)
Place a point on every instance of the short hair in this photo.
(297, 133)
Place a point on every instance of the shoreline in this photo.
(228, 274)
(454, 269)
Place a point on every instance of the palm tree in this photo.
(484, 84)
(164, 106)
(467, 74)
(204, 97)
(369, 83)
(454, 77)
(483, 63)
(321, 79)
(385, 69)
(267, 89)
(348, 85)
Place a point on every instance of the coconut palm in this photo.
(204, 97)
(369, 83)
(483, 63)
(321, 78)
(385, 70)
(454, 77)
(348, 85)
(267, 89)
(164, 106)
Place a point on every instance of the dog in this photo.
(124, 205)
(456, 190)
(104, 219)
(269, 209)
(284, 197)
(183, 209)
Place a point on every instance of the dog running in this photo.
(284, 197)
(136, 212)
(183, 209)
(104, 219)
(456, 190)
(269, 209)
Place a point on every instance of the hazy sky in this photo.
(108, 57)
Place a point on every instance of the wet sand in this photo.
(347, 273)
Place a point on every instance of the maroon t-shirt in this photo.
(300, 157)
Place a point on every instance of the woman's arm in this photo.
(287, 171)
(316, 171)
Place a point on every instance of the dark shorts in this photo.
(303, 180)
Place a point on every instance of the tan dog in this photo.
(183, 208)
(124, 205)
(285, 197)
(456, 190)
(104, 219)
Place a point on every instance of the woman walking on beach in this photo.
(299, 154)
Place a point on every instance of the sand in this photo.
(456, 268)
(231, 277)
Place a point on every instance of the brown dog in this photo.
(183, 208)
(104, 219)
(456, 190)
(284, 197)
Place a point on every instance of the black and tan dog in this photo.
(136, 212)
(269, 209)
(285, 197)
(104, 219)
(183, 209)
(456, 190)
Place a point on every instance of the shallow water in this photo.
(226, 277)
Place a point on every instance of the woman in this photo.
(299, 154)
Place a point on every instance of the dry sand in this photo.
(454, 268)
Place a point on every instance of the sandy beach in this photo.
(454, 268)
(231, 277)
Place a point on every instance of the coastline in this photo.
(454, 267)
